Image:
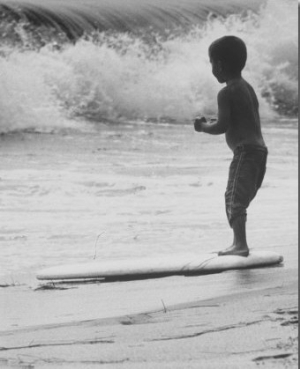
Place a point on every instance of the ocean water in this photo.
(98, 154)
(158, 70)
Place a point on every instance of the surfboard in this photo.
(136, 268)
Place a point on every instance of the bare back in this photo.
(244, 127)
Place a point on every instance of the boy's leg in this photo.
(235, 208)
(239, 246)
(246, 174)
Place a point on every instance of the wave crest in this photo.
(116, 76)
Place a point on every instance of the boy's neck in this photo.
(231, 78)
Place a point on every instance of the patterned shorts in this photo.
(246, 174)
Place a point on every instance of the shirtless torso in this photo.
(244, 126)
(238, 116)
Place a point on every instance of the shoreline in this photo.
(242, 330)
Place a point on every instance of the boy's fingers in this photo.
(197, 125)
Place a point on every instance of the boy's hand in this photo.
(198, 123)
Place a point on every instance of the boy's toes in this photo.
(244, 253)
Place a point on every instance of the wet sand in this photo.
(253, 328)
(146, 191)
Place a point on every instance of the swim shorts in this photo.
(246, 174)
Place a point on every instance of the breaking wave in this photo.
(60, 65)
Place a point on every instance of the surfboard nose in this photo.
(281, 258)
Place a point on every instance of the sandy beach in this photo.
(161, 187)
(257, 327)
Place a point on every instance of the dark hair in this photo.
(230, 51)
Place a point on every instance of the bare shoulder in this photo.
(233, 89)
(224, 94)
(241, 90)
(240, 86)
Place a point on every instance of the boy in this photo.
(238, 118)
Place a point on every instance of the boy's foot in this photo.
(234, 251)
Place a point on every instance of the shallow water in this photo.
(135, 190)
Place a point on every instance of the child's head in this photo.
(230, 52)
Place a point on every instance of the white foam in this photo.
(123, 77)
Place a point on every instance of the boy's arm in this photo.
(222, 124)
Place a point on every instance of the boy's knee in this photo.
(240, 216)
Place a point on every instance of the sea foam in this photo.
(116, 76)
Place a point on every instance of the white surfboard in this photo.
(151, 267)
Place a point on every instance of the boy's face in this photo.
(217, 70)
